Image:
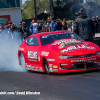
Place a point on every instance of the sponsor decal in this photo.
(25, 64)
(38, 58)
(84, 60)
(27, 68)
(32, 54)
(50, 69)
(55, 66)
(55, 70)
(34, 68)
(62, 45)
(43, 53)
(22, 49)
(32, 60)
(50, 65)
(77, 47)
(37, 68)
(50, 60)
(63, 41)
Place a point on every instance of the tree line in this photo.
(61, 8)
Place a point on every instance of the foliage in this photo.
(68, 21)
(67, 8)
(28, 8)
(42, 16)
(62, 8)
(93, 7)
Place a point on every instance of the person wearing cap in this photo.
(34, 27)
(98, 21)
(84, 27)
(81, 9)
(95, 24)
(65, 25)
(76, 15)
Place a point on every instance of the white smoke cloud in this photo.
(8, 51)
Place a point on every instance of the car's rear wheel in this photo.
(46, 66)
(22, 61)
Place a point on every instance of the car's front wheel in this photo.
(46, 66)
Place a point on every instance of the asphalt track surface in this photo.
(70, 86)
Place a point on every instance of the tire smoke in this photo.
(9, 43)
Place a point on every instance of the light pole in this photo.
(15, 3)
(87, 8)
(51, 9)
(35, 10)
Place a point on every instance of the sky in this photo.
(23, 1)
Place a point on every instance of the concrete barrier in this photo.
(97, 39)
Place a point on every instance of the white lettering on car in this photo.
(22, 49)
(84, 60)
(71, 48)
(43, 53)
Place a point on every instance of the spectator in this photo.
(20, 27)
(39, 27)
(58, 25)
(48, 25)
(9, 25)
(98, 21)
(84, 27)
(33, 27)
(71, 25)
(53, 26)
(95, 24)
(25, 33)
(81, 13)
(64, 23)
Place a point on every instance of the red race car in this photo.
(58, 52)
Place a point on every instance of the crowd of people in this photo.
(82, 25)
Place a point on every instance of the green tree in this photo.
(66, 8)
(28, 8)
(93, 7)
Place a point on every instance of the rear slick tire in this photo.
(22, 61)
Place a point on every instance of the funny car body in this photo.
(58, 52)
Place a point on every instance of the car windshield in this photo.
(49, 38)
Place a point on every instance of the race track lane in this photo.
(73, 86)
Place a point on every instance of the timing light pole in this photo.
(35, 10)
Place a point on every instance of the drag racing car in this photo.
(58, 52)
